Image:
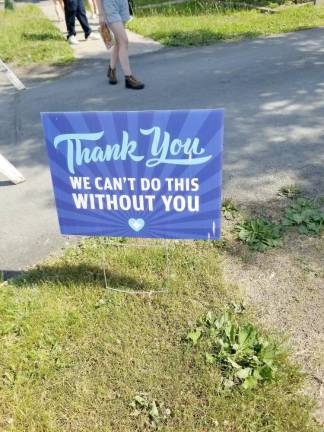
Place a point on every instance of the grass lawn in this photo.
(200, 23)
(27, 37)
(269, 3)
(74, 355)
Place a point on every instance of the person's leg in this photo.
(95, 6)
(70, 9)
(82, 18)
(92, 10)
(120, 50)
(61, 2)
(57, 10)
(111, 73)
(114, 56)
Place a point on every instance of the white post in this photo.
(11, 76)
(9, 171)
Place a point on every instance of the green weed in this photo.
(245, 358)
(259, 234)
(229, 208)
(152, 413)
(306, 215)
(289, 191)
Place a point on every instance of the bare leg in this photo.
(95, 6)
(57, 10)
(61, 2)
(92, 10)
(114, 56)
(120, 51)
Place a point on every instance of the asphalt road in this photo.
(271, 89)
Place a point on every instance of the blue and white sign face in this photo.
(137, 174)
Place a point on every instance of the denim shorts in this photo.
(116, 10)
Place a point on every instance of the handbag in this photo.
(107, 35)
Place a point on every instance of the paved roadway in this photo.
(271, 88)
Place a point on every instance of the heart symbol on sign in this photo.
(136, 224)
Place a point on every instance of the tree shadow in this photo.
(82, 275)
(41, 37)
(196, 37)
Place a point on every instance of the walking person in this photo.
(75, 9)
(114, 14)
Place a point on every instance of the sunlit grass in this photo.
(74, 355)
(199, 23)
(27, 37)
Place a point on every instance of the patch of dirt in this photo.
(285, 287)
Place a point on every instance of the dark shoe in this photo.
(132, 83)
(112, 76)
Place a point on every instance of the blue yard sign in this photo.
(137, 174)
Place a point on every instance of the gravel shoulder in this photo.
(285, 289)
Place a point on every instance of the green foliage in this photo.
(153, 413)
(245, 358)
(306, 215)
(259, 233)
(289, 191)
(229, 209)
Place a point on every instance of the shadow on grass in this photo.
(82, 275)
(41, 36)
(197, 37)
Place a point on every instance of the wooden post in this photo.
(9, 171)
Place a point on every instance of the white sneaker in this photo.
(93, 36)
(73, 40)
